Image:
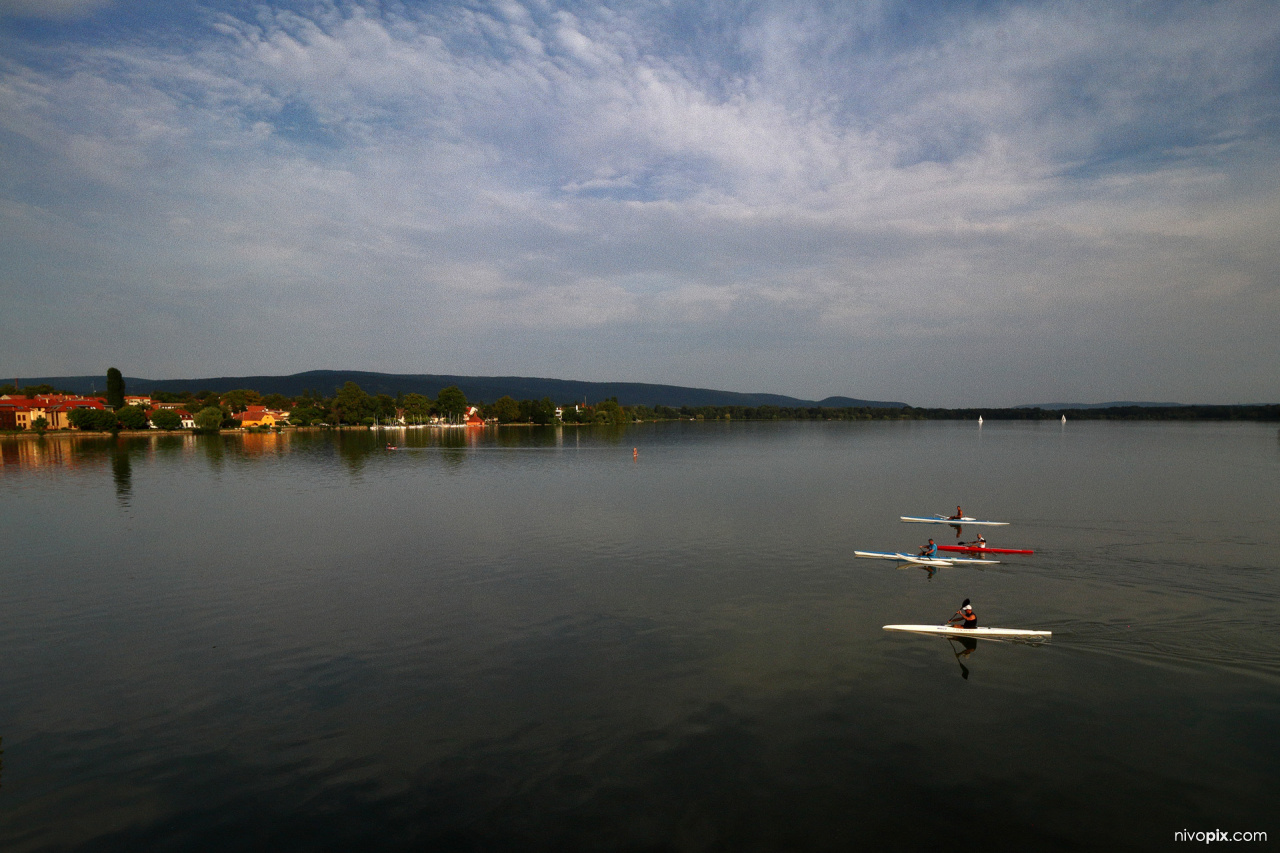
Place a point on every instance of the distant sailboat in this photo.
(1064, 419)
(979, 420)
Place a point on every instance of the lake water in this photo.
(526, 639)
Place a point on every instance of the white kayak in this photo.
(923, 561)
(942, 519)
(980, 633)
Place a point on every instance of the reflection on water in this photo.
(122, 473)
(532, 639)
(963, 647)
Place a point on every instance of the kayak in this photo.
(942, 519)
(979, 633)
(916, 558)
(969, 549)
(905, 558)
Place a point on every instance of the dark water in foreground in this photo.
(528, 641)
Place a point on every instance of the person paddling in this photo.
(965, 617)
(930, 550)
(959, 514)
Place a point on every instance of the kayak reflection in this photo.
(963, 647)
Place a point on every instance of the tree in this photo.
(451, 402)
(506, 410)
(115, 388)
(209, 419)
(105, 420)
(132, 417)
(608, 412)
(576, 415)
(92, 419)
(240, 399)
(40, 424)
(350, 404)
(166, 419)
(276, 401)
(543, 411)
(384, 407)
(417, 406)
(305, 415)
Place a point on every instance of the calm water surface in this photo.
(527, 640)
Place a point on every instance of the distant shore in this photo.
(1240, 413)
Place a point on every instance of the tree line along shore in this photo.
(351, 406)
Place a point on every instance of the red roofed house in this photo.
(14, 415)
(57, 413)
(20, 412)
(256, 416)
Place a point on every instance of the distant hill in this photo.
(482, 388)
(1118, 405)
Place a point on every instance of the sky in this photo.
(950, 204)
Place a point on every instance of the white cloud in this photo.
(804, 174)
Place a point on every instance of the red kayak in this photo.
(976, 550)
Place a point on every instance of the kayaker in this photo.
(980, 542)
(930, 550)
(965, 617)
(959, 513)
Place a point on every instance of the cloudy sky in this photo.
(943, 203)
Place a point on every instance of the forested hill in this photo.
(476, 388)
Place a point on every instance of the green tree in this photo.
(544, 411)
(81, 418)
(609, 412)
(209, 419)
(132, 417)
(115, 388)
(305, 416)
(241, 399)
(105, 420)
(384, 407)
(417, 407)
(166, 419)
(350, 404)
(40, 424)
(276, 401)
(451, 402)
(506, 410)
